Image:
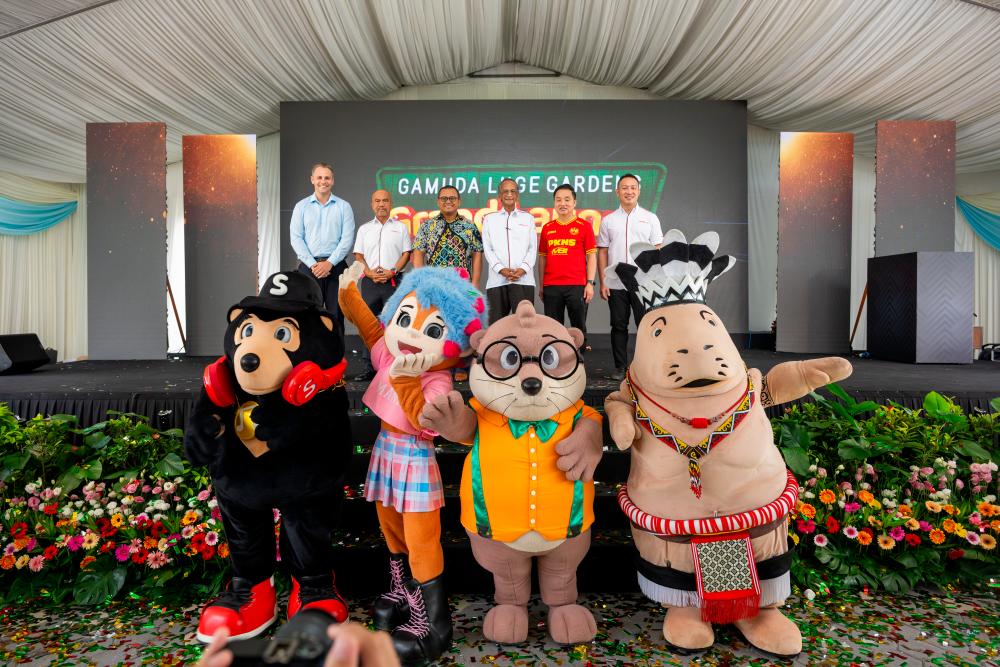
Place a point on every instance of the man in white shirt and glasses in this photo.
(510, 244)
(383, 247)
(629, 224)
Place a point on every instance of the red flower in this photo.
(208, 552)
(832, 525)
(107, 546)
(198, 541)
(50, 552)
(106, 528)
(806, 526)
(912, 540)
(955, 554)
(157, 529)
(51, 508)
(871, 533)
(19, 531)
(139, 557)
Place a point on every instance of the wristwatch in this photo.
(591, 282)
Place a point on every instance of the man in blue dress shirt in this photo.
(322, 233)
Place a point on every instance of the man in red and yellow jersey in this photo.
(567, 262)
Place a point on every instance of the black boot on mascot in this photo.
(271, 424)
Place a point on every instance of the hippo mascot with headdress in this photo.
(708, 493)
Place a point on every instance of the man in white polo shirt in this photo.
(629, 224)
(510, 244)
(383, 247)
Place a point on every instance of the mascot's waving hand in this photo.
(708, 491)
(271, 424)
(423, 332)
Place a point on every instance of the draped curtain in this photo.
(981, 190)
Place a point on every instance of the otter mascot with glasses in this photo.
(271, 424)
(422, 332)
(527, 487)
(708, 492)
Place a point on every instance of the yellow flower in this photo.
(874, 504)
(865, 496)
(190, 517)
(987, 542)
(960, 531)
(874, 521)
(827, 497)
(90, 540)
(949, 525)
(807, 510)
(886, 543)
(162, 544)
(117, 520)
(21, 561)
(795, 538)
(912, 524)
(937, 536)
(932, 506)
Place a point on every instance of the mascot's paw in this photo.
(506, 624)
(625, 430)
(684, 629)
(449, 416)
(580, 451)
(772, 632)
(571, 624)
(412, 365)
(351, 275)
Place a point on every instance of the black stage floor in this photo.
(89, 388)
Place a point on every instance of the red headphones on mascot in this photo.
(302, 383)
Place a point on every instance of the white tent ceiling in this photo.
(209, 66)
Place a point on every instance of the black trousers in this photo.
(375, 296)
(558, 299)
(306, 540)
(503, 300)
(329, 286)
(620, 303)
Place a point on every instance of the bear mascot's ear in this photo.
(327, 322)
(475, 338)
(234, 313)
(577, 336)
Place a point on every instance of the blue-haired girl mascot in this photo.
(422, 332)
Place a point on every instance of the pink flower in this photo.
(131, 487)
(973, 538)
(806, 526)
(34, 502)
(897, 533)
(122, 553)
(850, 508)
(959, 484)
(851, 532)
(216, 513)
(157, 560)
(821, 540)
(187, 532)
(9, 550)
(211, 538)
(146, 488)
(32, 543)
(38, 562)
(157, 490)
(204, 495)
(926, 527)
(975, 519)
(74, 542)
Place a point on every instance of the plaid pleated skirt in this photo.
(404, 474)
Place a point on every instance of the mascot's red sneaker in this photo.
(245, 609)
(317, 592)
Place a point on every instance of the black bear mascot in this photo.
(271, 424)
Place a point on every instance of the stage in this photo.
(88, 389)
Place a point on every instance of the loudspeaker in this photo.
(20, 353)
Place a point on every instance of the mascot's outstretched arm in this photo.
(354, 307)
(625, 430)
(451, 417)
(794, 379)
(206, 426)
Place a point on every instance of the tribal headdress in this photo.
(676, 272)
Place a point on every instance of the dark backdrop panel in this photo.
(220, 232)
(691, 157)
(126, 240)
(816, 177)
(914, 186)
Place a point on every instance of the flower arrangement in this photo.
(894, 499)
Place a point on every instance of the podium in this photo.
(920, 307)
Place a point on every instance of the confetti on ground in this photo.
(851, 630)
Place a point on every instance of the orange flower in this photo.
(932, 506)
(865, 497)
(149, 543)
(912, 524)
(905, 510)
(117, 520)
(987, 542)
(7, 562)
(874, 521)
(937, 536)
(190, 517)
(949, 525)
(950, 509)
(886, 543)
(87, 560)
(995, 525)
(865, 538)
(807, 510)
(986, 509)
(827, 497)
(223, 550)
